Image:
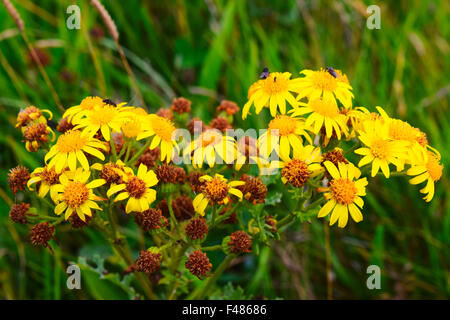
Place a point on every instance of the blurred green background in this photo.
(208, 50)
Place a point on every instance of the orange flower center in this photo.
(75, 194)
(284, 124)
(49, 176)
(71, 141)
(380, 149)
(136, 187)
(102, 116)
(216, 190)
(296, 172)
(324, 108)
(343, 191)
(131, 128)
(322, 80)
(275, 83)
(210, 137)
(162, 127)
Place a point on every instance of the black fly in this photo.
(110, 102)
(332, 72)
(264, 74)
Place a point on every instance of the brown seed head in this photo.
(17, 178)
(221, 124)
(196, 126)
(228, 106)
(181, 105)
(110, 173)
(254, 190)
(149, 157)
(27, 115)
(196, 185)
(198, 264)
(165, 113)
(148, 262)
(196, 228)
(64, 125)
(77, 223)
(167, 173)
(335, 156)
(41, 234)
(240, 242)
(19, 212)
(150, 219)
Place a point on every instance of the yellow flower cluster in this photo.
(100, 145)
(321, 110)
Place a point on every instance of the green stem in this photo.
(212, 248)
(140, 152)
(113, 148)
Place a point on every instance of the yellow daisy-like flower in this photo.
(425, 167)
(380, 150)
(134, 124)
(75, 195)
(272, 92)
(105, 118)
(47, 179)
(343, 194)
(401, 130)
(323, 112)
(216, 190)
(284, 134)
(320, 83)
(211, 147)
(137, 189)
(305, 164)
(72, 146)
(87, 104)
(162, 130)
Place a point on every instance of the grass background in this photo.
(208, 50)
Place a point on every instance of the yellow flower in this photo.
(425, 167)
(216, 190)
(344, 194)
(47, 179)
(305, 164)
(71, 147)
(271, 92)
(283, 132)
(137, 188)
(323, 112)
(75, 195)
(380, 150)
(76, 112)
(321, 83)
(162, 130)
(105, 118)
(134, 124)
(401, 130)
(210, 146)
